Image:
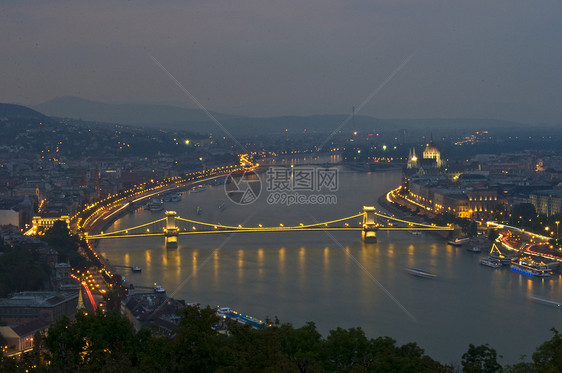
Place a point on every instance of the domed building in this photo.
(432, 152)
(431, 158)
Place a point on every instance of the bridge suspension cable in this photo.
(132, 228)
(409, 222)
(279, 228)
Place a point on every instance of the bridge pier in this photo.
(171, 231)
(370, 226)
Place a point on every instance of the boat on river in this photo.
(458, 241)
(229, 314)
(159, 289)
(491, 262)
(155, 204)
(136, 269)
(474, 249)
(527, 266)
(547, 302)
(420, 273)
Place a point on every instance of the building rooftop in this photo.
(37, 299)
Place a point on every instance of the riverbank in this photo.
(394, 210)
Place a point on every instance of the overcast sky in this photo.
(471, 58)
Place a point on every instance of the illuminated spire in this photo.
(80, 306)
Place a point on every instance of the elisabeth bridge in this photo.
(368, 222)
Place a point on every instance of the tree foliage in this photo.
(548, 357)
(109, 343)
(480, 359)
(65, 243)
(20, 270)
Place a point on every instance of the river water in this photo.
(337, 280)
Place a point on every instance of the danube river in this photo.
(338, 281)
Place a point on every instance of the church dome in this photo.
(432, 152)
(431, 148)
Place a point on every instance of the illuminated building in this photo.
(42, 223)
(432, 152)
(547, 202)
(412, 159)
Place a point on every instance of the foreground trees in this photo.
(108, 342)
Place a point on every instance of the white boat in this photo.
(159, 289)
(458, 241)
(136, 269)
(176, 197)
(415, 233)
(490, 262)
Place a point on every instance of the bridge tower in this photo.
(370, 226)
(171, 231)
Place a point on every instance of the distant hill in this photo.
(12, 111)
(450, 123)
(147, 115)
(195, 120)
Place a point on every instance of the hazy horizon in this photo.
(430, 59)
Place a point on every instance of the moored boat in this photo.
(458, 241)
(490, 262)
(227, 313)
(504, 260)
(159, 289)
(155, 204)
(474, 249)
(527, 266)
(136, 269)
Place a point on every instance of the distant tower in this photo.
(412, 159)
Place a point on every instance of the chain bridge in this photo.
(368, 222)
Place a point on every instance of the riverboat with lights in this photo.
(527, 266)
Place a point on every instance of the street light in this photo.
(557, 222)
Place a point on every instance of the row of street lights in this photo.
(556, 237)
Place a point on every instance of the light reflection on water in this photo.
(301, 277)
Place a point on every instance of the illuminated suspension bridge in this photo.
(369, 221)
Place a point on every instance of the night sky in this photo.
(480, 59)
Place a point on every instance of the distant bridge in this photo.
(369, 221)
